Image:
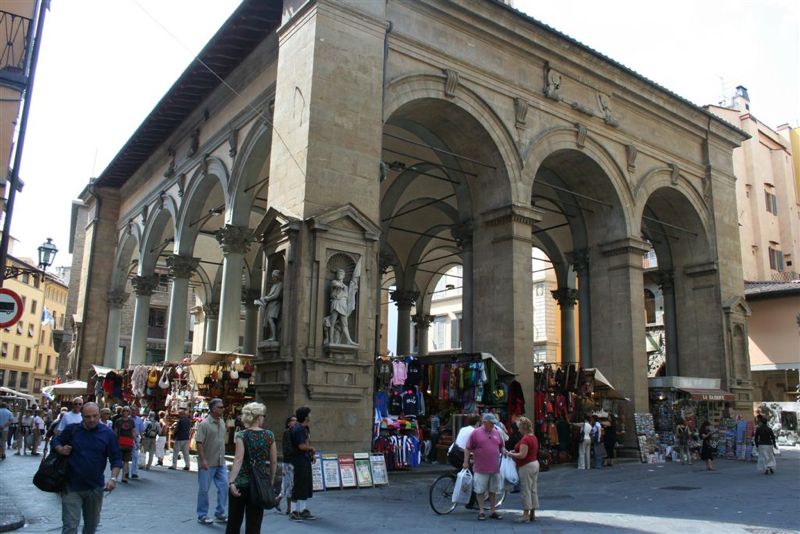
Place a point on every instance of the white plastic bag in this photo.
(509, 470)
(463, 488)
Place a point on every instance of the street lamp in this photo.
(47, 254)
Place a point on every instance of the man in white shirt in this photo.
(38, 432)
(463, 437)
(584, 446)
(72, 417)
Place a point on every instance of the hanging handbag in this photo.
(261, 492)
(164, 382)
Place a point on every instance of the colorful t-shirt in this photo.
(533, 449)
(486, 448)
(257, 444)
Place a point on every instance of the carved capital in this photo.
(580, 261)
(422, 320)
(117, 298)
(462, 233)
(552, 83)
(249, 296)
(404, 297)
(234, 239)
(385, 260)
(181, 266)
(566, 297)
(144, 285)
(211, 310)
(666, 281)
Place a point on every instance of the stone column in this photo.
(234, 241)
(405, 299)
(211, 311)
(422, 323)
(250, 321)
(180, 270)
(567, 298)
(580, 264)
(666, 282)
(143, 286)
(504, 288)
(116, 300)
(619, 339)
(462, 233)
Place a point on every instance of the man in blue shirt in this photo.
(5, 421)
(88, 445)
(139, 423)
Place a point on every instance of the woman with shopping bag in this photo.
(526, 454)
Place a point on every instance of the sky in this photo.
(104, 65)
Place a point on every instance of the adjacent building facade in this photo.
(28, 355)
(361, 146)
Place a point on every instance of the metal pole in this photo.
(13, 176)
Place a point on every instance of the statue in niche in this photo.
(272, 302)
(342, 303)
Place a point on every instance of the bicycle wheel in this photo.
(441, 494)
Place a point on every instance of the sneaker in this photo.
(221, 518)
(134, 476)
(294, 516)
(160, 462)
(172, 467)
(205, 520)
(306, 514)
(186, 468)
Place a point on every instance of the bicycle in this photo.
(440, 495)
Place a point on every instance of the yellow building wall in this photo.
(28, 360)
(773, 331)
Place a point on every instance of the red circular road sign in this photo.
(10, 307)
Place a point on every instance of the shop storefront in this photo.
(695, 401)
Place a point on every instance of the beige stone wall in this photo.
(774, 332)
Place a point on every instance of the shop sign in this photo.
(347, 470)
(317, 483)
(363, 471)
(379, 474)
(330, 471)
(711, 397)
(10, 308)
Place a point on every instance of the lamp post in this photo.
(47, 254)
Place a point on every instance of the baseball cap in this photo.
(490, 417)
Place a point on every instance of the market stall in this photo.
(421, 402)
(694, 401)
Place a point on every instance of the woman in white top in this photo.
(584, 446)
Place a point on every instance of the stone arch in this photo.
(246, 176)
(160, 227)
(128, 244)
(661, 178)
(408, 91)
(563, 142)
(212, 174)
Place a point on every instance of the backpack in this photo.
(151, 430)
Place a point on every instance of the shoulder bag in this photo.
(53, 472)
(261, 492)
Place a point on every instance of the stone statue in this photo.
(272, 302)
(343, 302)
(553, 85)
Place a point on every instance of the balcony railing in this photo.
(14, 31)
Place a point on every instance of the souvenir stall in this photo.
(225, 375)
(695, 400)
(562, 396)
(417, 398)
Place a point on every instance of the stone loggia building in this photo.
(393, 140)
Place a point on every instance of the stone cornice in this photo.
(512, 213)
(628, 245)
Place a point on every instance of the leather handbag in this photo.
(52, 473)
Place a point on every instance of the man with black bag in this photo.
(88, 445)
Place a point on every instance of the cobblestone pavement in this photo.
(630, 497)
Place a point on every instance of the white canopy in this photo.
(211, 357)
(73, 387)
(8, 392)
